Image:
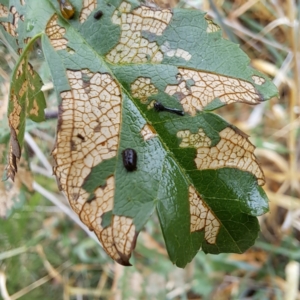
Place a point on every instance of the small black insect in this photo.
(98, 14)
(129, 159)
(159, 107)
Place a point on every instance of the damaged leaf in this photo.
(12, 194)
(146, 79)
(25, 100)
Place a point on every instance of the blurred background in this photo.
(45, 251)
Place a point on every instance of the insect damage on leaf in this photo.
(14, 155)
(211, 26)
(12, 27)
(14, 149)
(88, 130)
(95, 124)
(27, 90)
(148, 132)
(124, 235)
(194, 140)
(25, 99)
(15, 115)
(87, 8)
(55, 33)
(34, 110)
(13, 24)
(132, 47)
(3, 12)
(88, 134)
(142, 88)
(233, 150)
(165, 48)
(202, 217)
(206, 87)
(10, 193)
(258, 80)
(118, 241)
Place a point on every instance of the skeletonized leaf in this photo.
(134, 79)
(12, 21)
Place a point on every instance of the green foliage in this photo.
(197, 171)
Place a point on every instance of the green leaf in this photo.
(25, 100)
(135, 77)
